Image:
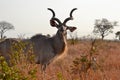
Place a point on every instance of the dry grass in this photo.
(108, 57)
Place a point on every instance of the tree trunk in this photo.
(1, 35)
(103, 36)
(119, 37)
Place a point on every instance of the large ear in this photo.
(71, 28)
(53, 23)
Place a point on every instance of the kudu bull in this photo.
(47, 48)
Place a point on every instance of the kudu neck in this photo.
(59, 43)
(61, 36)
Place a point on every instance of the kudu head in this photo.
(61, 26)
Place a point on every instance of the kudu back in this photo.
(47, 48)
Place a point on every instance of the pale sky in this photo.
(31, 17)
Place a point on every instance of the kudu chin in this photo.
(46, 49)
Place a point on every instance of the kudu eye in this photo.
(61, 29)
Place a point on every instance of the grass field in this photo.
(106, 53)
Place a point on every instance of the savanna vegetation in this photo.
(85, 60)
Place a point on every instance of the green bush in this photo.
(20, 60)
(85, 63)
(60, 76)
(9, 73)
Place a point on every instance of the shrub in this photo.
(21, 59)
(82, 65)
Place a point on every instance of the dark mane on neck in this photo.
(39, 36)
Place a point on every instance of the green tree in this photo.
(5, 26)
(103, 27)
